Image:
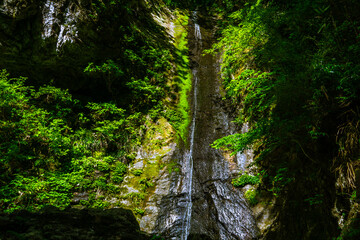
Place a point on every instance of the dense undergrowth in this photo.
(58, 150)
(292, 68)
(53, 146)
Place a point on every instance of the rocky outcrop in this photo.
(36, 37)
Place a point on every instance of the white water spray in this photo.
(197, 31)
(197, 27)
(49, 18)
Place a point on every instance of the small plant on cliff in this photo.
(139, 211)
(156, 237)
(145, 183)
(119, 172)
(245, 179)
(250, 195)
(137, 172)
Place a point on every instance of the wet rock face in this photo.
(201, 203)
(219, 210)
(19, 9)
(55, 40)
(60, 20)
(71, 224)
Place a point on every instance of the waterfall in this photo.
(202, 203)
(48, 19)
(60, 24)
(197, 32)
(189, 156)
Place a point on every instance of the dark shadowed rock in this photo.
(87, 224)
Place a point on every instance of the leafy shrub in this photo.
(245, 179)
(315, 200)
(137, 172)
(48, 152)
(281, 179)
(139, 211)
(145, 183)
(136, 198)
(250, 195)
(119, 172)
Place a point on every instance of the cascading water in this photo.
(218, 210)
(189, 156)
(201, 202)
(49, 19)
(59, 23)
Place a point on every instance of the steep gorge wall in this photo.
(57, 39)
(219, 211)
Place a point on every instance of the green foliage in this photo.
(291, 70)
(139, 211)
(136, 198)
(156, 237)
(119, 172)
(173, 166)
(245, 179)
(33, 193)
(251, 196)
(179, 117)
(109, 67)
(281, 179)
(137, 172)
(238, 142)
(48, 151)
(137, 77)
(145, 183)
(208, 5)
(353, 196)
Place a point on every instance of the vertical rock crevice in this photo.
(201, 202)
(219, 211)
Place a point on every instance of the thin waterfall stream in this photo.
(217, 210)
(187, 217)
(201, 202)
